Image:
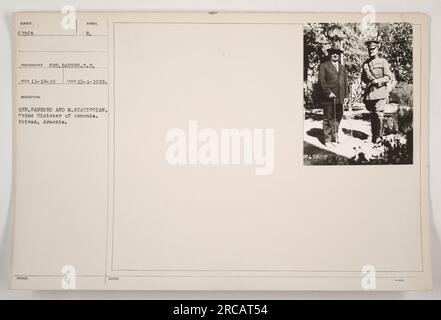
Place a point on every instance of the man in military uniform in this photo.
(375, 76)
(333, 82)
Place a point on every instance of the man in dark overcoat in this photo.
(333, 82)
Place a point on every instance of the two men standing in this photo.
(334, 91)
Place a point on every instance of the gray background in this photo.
(430, 7)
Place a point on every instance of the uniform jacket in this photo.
(334, 81)
(377, 68)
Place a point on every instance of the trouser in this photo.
(331, 121)
(376, 108)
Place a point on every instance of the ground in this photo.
(355, 146)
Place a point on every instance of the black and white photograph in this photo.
(358, 94)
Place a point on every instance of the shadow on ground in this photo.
(318, 133)
(309, 115)
(356, 134)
